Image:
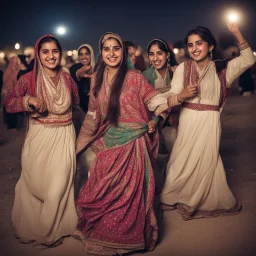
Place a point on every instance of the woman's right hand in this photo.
(189, 92)
(38, 104)
(85, 71)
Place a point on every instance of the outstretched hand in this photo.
(233, 27)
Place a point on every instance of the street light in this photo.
(176, 50)
(2, 55)
(233, 17)
(17, 46)
(61, 30)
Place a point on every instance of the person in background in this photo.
(81, 72)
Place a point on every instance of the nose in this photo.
(111, 53)
(155, 57)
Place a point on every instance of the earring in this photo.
(211, 55)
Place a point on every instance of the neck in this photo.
(111, 73)
(50, 72)
(162, 71)
(203, 63)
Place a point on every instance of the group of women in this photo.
(114, 212)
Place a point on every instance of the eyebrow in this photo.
(201, 40)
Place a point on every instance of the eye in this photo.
(105, 49)
(117, 48)
(56, 51)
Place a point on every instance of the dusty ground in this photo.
(221, 236)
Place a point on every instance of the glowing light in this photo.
(74, 51)
(61, 30)
(2, 55)
(17, 46)
(176, 50)
(254, 53)
(233, 17)
(70, 53)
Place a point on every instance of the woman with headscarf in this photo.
(81, 72)
(115, 206)
(44, 207)
(196, 183)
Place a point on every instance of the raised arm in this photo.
(246, 59)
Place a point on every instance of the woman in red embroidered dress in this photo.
(115, 206)
(196, 183)
(44, 208)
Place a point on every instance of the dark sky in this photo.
(138, 21)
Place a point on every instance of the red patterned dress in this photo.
(115, 206)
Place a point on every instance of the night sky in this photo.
(137, 21)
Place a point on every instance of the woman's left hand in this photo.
(151, 126)
(233, 28)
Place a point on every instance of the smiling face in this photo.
(112, 53)
(157, 57)
(84, 56)
(198, 49)
(50, 57)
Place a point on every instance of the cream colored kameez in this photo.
(196, 179)
(44, 207)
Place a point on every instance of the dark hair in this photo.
(49, 39)
(23, 60)
(114, 101)
(84, 47)
(128, 44)
(163, 46)
(207, 36)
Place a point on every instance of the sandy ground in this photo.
(222, 236)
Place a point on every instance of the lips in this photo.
(112, 60)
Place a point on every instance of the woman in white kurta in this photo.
(196, 182)
(44, 208)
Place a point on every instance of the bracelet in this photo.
(243, 45)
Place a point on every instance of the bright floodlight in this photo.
(69, 53)
(61, 30)
(176, 50)
(17, 46)
(2, 55)
(233, 17)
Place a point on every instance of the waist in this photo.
(201, 107)
(54, 120)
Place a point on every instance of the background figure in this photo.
(44, 207)
(246, 83)
(81, 73)
(159, 75)
(16, 68)
(1, 86)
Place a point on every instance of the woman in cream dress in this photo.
(44, 209)
(196, 182)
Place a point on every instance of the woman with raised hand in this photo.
(196, 183)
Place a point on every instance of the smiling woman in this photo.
(44, 209)
(115, 206)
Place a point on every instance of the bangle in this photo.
(243, 45)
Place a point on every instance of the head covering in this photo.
(108, 35)
(159, 40)
(92, 63)
(10, 75)
(36, 63)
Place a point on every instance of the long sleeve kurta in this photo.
(196, 181)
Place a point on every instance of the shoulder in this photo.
(75, 67)
(180, 68)
(134, 74)
(26, 77)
